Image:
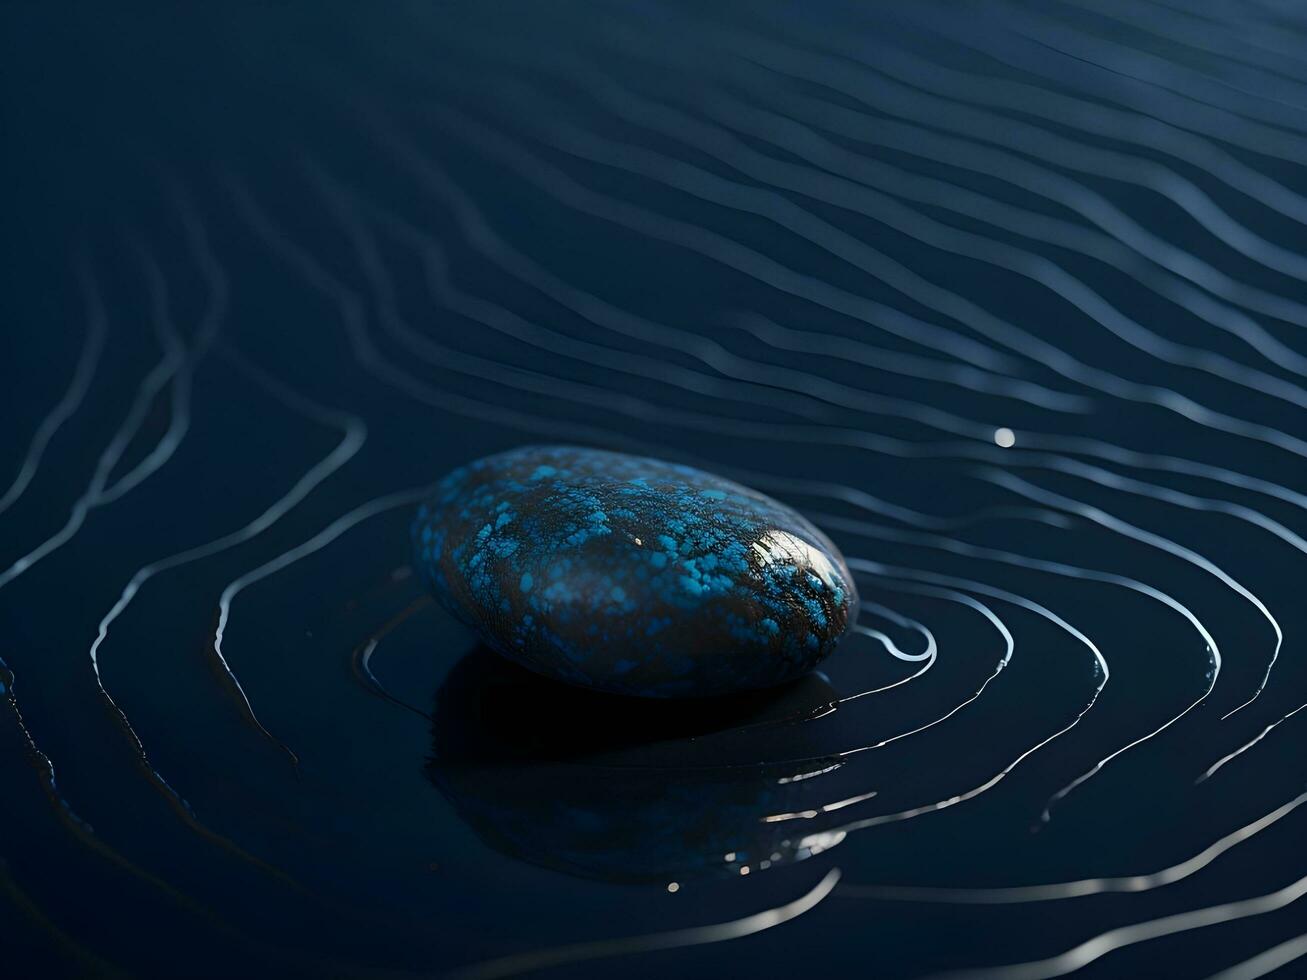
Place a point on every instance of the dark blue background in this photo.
(357, 864)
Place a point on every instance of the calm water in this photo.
(1009, 298)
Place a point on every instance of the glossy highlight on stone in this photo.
(632, 575)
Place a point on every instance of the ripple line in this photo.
(696, 936)
(83, 373)
(1059, 891)
(353, 436)
(317, 542)
(1266, 962)
(1101, 945)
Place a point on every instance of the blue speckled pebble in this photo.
(632, 575)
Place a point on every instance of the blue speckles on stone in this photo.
(699, 579)
(632, 575)
(815, 611)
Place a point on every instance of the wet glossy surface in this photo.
(1008, 298)
(632, 575)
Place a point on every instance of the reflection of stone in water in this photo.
(621, 789)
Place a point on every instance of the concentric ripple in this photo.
(1009, 299)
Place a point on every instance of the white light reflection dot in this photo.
(673, 887)
(1005, 437)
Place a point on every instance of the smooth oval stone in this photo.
(632, 575)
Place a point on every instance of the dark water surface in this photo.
(1008, 298)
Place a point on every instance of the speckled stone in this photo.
(632, 575)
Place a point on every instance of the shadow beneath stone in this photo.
(626, 789)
